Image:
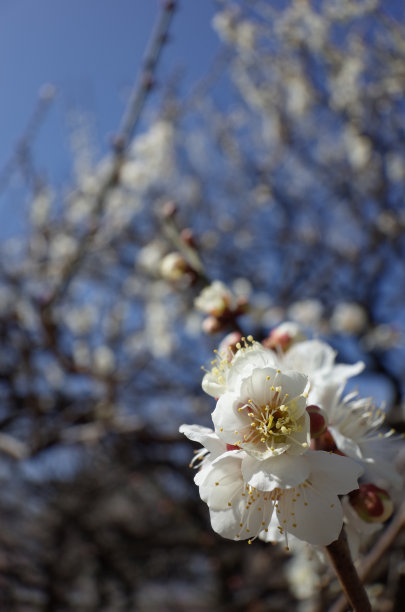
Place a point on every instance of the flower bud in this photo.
(187, 236)
(216, 300)
(212, 325)
(371, 503)
(318, 421)
(228, 347)
(284, 336)
(173, 266)
(169, 210)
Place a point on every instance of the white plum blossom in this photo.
(285, 495)
(264, 471)
(266, 413)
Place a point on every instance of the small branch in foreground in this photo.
(380, 548)
(353, 588)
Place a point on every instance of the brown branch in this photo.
(381, 547)
(122, 141)
(353, 588)
(21, 154)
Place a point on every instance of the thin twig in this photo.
(353, 588)
(381, 547)
(123, 139)
(22, 150)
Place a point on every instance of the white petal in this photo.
(333, 472)
(291, 382)
(258, 387)
(248, 516)
(246, 360)
(346, 445)
(211, 386)
(311, 515)
(228, 420)
(283, 471)
(225, 523)
(205, 436)
(310, 356)
(221, 482)
(343, 371)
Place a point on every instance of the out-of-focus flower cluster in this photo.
(287, 444)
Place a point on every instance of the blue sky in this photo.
(91, 51)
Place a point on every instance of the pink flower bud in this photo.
(228, 347)
(187, 236)
(371, 503)
(318, 421)
(212, 325)
(284, 336)
(169, 209)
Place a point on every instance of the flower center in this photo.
(273, 420)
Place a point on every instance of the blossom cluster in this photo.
(287, 451)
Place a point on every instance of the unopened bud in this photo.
(187, 236)
(173, 267)
(212, 325)
(169, 209)
(318, 421)
(284, 336)
(228, 347)
(215, 300)
(371, 503)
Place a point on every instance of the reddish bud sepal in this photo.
(371, 503)
(318, 421)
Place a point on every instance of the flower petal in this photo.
(205, 436)
(346, 445)
(227, 418)
(220, 481)
(333, 472)
(282, 471)
(249, 514)
(310, 514)
(310, 356)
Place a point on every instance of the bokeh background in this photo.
(264, 142)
